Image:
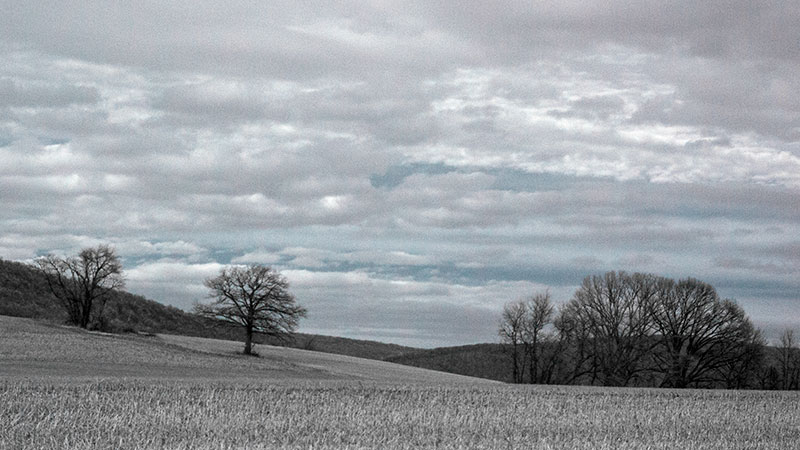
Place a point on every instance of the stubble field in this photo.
(182, 393)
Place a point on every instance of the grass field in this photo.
(64, 388)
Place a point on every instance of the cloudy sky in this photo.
(409, 166)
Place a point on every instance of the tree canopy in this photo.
(621, 329)
(255, 297)
(83, 283)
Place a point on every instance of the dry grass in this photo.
(176, 393)
(334, 366)
(202, 415)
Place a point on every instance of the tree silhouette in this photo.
(255, 297)
(82, 283)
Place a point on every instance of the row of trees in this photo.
(639, 329)
(254, 297)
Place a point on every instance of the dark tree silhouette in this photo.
(612, 313)
(522, 331)
(789, 361)
(511, 330)
(538, 314)
(701, 337)
(255, 297)
(82, 283)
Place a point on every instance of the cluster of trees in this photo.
(255, 297)
(639, 329)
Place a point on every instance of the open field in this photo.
(64, 388)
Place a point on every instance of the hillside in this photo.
(31, 348)
(23, 293)
(478, 360)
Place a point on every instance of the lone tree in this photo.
(255, 297)
(82, 283)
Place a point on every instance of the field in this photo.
(64, 388)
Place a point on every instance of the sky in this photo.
(410, 167)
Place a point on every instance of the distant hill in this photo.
(24, 293)
(478, 360)
(351, 347)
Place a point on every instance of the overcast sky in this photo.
(409, 166)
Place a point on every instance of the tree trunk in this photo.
(86, 313)
(248, 340)
(515, 360)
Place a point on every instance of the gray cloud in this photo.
(408, 160)
(13, 93)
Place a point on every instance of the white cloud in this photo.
(257, 257)
(409, 148)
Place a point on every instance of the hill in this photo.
(478, 360)
(23, 293)
(32, 348)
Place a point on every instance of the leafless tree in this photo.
(512, 328)
(82, 283)
(573, 356)
(609, 316)
(255, 297)
(743, 372)
(538, 314)
(700, 336)
(789, 360)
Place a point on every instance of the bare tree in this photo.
(700, 336)
(611, 312)
(512, 326)
(789, 360)
(255, 297)
(82, 283)
(538, 314)
(573, 355)
(743, 372)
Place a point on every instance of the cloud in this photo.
(362, 300)
(174, 281)
(429, 151)
(257, 257)
(16, 94)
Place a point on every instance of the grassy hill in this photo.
(23, 293)
(32, 348)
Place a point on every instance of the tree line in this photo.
(638, 329)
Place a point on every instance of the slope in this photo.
(478, 360)
(23, 293)
(31, 348)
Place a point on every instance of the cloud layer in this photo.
(413, 166)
